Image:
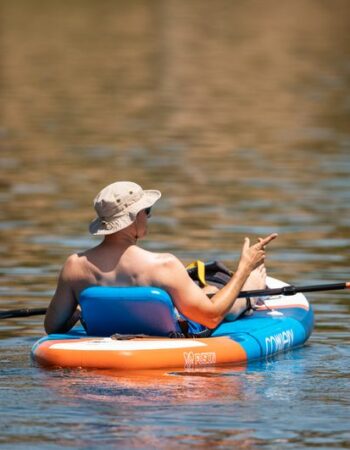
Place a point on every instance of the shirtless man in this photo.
(123, 209)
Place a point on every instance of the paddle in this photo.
(291, 290)
(285, 290)
(26, 312)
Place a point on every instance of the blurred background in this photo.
(238, 111)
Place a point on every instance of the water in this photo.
(239, 113)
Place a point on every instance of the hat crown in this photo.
(118, 205)
(116, 198)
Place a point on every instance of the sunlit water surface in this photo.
(239, 112)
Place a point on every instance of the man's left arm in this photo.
(63, 311)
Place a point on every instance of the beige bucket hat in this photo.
(118, 204)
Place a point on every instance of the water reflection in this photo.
(220, 405)
(237, 111)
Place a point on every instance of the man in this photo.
(123, 210)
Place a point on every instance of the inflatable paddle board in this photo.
(279, 324)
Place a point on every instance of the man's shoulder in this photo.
(73, 259)
(149, 257)
(167, 266)
(168, 272)
(163, 259)
(72, 266)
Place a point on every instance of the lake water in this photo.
(239, 112)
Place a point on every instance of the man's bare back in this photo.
(119, 261)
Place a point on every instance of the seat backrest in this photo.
(127, 310)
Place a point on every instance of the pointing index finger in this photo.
(268, 239)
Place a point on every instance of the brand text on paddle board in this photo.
(193, 359)
(279, 342)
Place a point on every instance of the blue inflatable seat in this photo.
(128, 310)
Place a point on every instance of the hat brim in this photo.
(98, 227)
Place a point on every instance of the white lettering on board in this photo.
(193, 359)
(279, 342)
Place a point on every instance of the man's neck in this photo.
(120, 239)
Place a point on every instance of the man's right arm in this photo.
(192, 301)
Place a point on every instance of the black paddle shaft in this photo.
(25, 312)
(292, 290)
(285, 290)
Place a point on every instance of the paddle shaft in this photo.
(292, 290)
(285, 290)
(25, 312)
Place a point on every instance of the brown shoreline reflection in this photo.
(91, 74)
